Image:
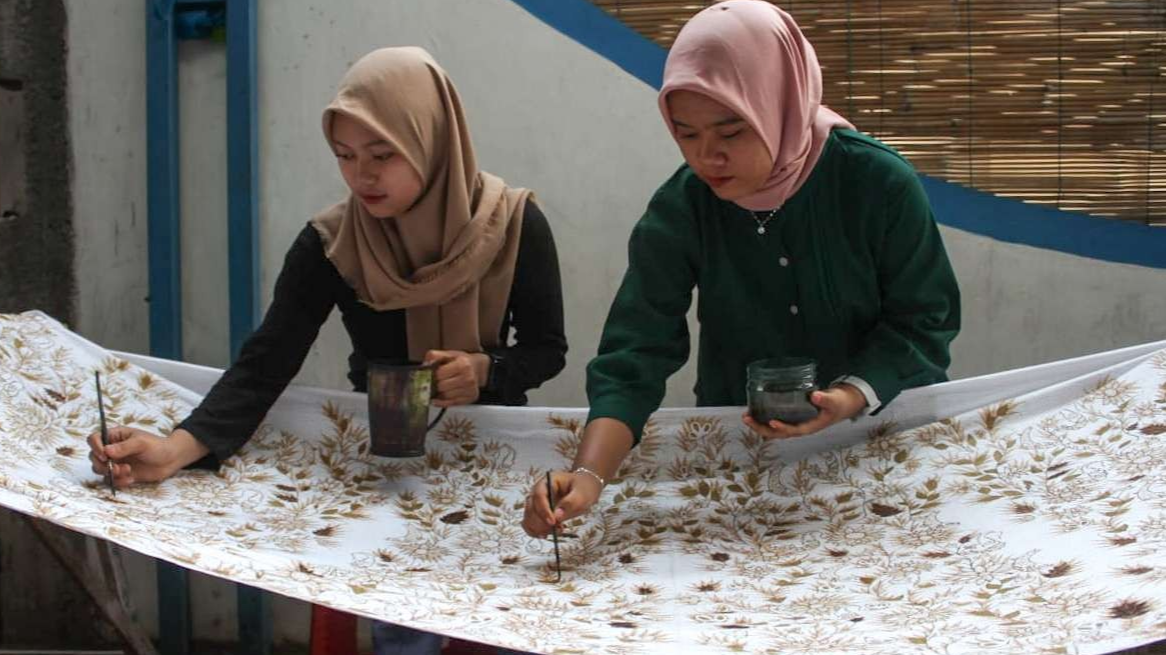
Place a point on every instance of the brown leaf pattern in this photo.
(1001, 530)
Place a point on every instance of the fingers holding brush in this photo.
(104, 457)
(141, 456)
(539, 517)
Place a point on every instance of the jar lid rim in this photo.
(778, 363)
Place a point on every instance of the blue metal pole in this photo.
(255, 634)
(254, 606)
(165, 267)
(242, 171)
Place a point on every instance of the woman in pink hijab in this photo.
(808, 240)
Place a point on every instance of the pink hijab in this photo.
(751, 57)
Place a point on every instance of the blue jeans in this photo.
(392, 639)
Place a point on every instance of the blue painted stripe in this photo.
(959, 207)
(1005, 219)
(602, 33)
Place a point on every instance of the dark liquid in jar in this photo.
(786, 406)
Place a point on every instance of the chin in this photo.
(377, 211)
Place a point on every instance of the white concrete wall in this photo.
(107, 107)
(202, 111)
(107, 118)
(544, 112)
(1025, 305)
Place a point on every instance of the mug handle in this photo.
(437, 420)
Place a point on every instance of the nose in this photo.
(709, 152)
(364, 170)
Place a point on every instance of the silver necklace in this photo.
(762, 222)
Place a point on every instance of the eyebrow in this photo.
(732, 120)
(375, 142)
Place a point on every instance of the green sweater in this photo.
(851, 272)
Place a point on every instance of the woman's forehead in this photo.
(351, 132)
(692, 105)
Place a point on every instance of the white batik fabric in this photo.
(1023, 512)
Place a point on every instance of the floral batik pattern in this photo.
(1034, 525)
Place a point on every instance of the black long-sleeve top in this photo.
(307, 289)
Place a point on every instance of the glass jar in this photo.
(780, 389)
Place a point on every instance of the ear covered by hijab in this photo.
(448, 260)
(751, 57)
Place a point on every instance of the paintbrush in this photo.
(104, 430)
(554, 530)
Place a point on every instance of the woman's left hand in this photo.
(459, 376)
(834, 404)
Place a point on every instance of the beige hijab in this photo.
(449, 259)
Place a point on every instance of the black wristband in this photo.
(497, 373)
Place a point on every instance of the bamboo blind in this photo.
(1055, 102)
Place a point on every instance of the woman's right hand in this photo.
(575, 493)
(140, 456)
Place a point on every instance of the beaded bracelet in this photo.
(584, 469)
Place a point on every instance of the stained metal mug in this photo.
(399, 395)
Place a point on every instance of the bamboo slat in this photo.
(1060, 103)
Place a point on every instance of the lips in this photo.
(715, 182)
(373, 198)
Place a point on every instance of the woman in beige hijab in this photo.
(428, 258)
